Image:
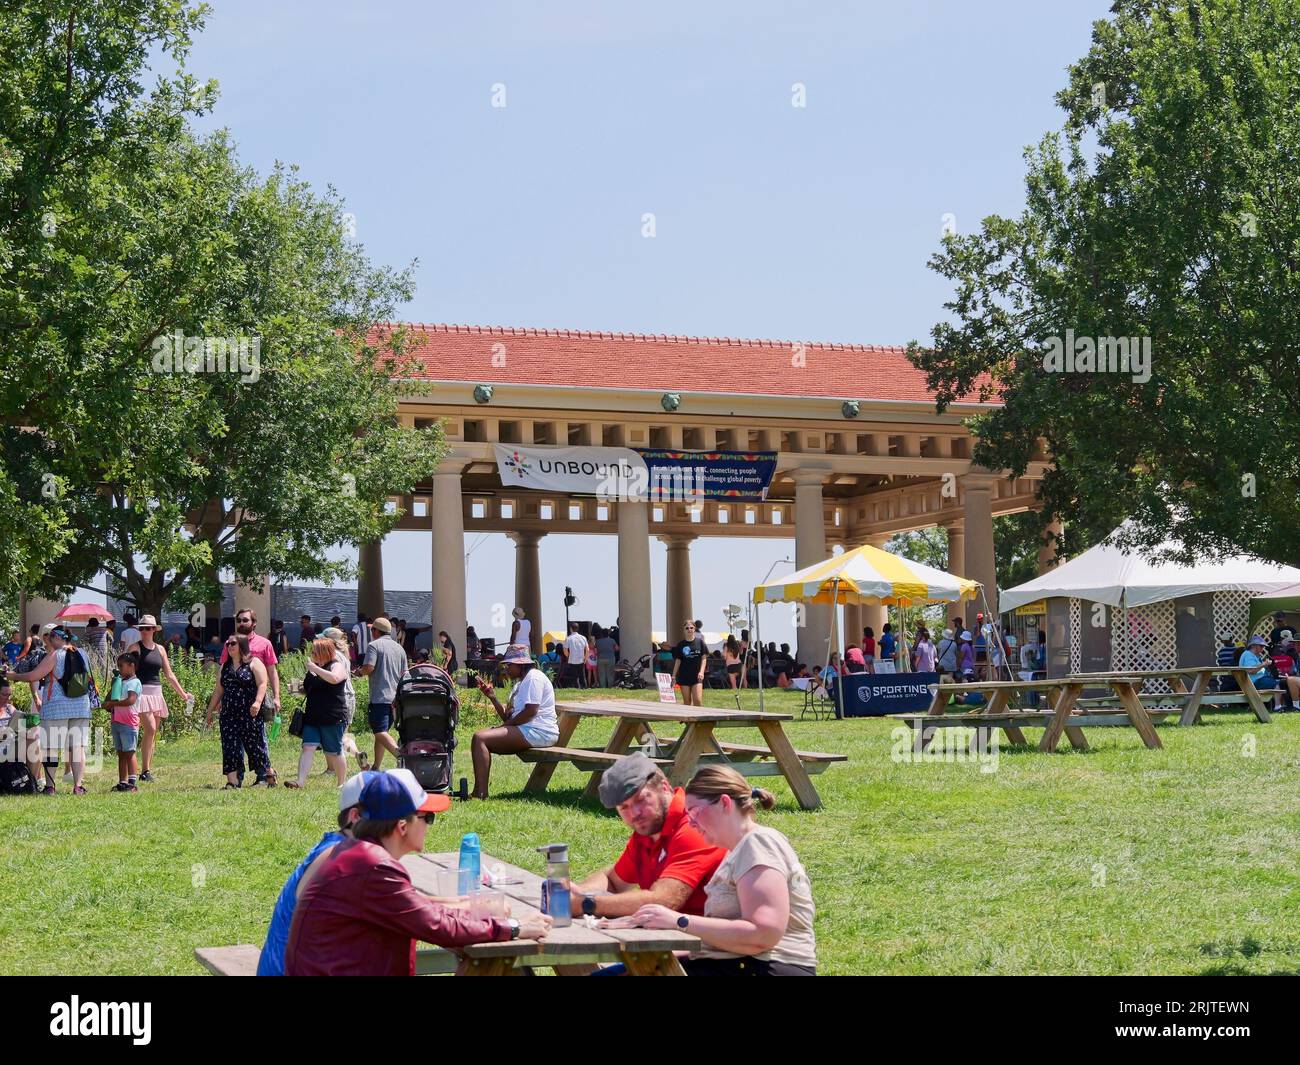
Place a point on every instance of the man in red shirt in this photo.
(666, 859)
(360, 915)
(258, 647)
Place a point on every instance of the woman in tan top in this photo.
(758, 917)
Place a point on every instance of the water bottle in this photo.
(555, 888)
(470, 853)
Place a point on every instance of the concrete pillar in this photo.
(981, 564)
(528, 582)
(633, 579)
(956, 548)
(853, 623)
(810, 548)
(875, 616)
(679, 583)
(33, 610)
(1050, 545)
(258, 602)
(448, 521)
(370, 580)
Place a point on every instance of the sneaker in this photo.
(146, 775)
(121, 785)
(78, 790)
(48, 789)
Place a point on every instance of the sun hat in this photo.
(518, 654)
(395, 794)
(382, 624)
(48, 628)
(1286, 634)
(624, 779)
(147, 622)
(350, 792)
(966, 635)
(1257, 640)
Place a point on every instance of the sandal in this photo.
(363, 760)
(230, 787)
(271, 779)
(292, 783)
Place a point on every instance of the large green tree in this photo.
(188, 341)
(1166, 209)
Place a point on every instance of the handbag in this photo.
(297, 723)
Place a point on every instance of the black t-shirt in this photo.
(690, 653)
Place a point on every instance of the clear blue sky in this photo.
(772, 221)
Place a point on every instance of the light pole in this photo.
(758, 636)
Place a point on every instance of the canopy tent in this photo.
(868, 576)
(1286, 600)
(1107, 574)
(865, 576)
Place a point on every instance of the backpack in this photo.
(76, 679)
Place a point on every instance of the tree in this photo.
(191, 344)
(1181, 231)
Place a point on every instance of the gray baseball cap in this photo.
(624, 778)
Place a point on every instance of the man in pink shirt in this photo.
(258, 647)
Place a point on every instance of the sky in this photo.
(771, 221)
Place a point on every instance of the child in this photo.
(126, 720)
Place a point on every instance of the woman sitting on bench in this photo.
(530, 721)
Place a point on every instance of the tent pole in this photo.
(830, 643)
(758, 645)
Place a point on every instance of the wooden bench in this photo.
(242, 959)
(588, 759)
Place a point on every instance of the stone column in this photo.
(370, 580)
(1049, 546)
(633, 579)
(956, 548)
(448, 521)
(258, 602)
(33, 610)
(528, 582)
(853, 623)
(980, 562)
(679, 583)
(810, 548)
(875, 616)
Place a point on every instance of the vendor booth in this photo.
(1108, 609)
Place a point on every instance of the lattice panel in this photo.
(1076, 635)
(1145, 638)
(1232, 614)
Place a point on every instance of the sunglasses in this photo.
(426, 818)
(232, 643)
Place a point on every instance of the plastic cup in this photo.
(488, 903)
(454, 883)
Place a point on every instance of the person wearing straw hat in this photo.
(530, 721)
(153, 665)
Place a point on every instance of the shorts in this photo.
(538, 736)
(124, 737)
(1266, 683)
(329, 738)
(57, 736)
(689, 682)
(381, 717)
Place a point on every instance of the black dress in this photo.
(240, 730)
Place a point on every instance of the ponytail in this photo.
(714, 781)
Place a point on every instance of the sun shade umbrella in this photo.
(866, 576)
(83, 612)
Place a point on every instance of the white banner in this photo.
(593, 470)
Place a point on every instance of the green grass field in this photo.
(1120, 860)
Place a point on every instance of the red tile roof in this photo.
(565, 357)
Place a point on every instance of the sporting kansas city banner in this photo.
(624, 473)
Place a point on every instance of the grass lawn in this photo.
(1120, 860)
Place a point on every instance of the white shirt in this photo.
(130, 636)
(575, 646)
(536, 688)
(361, 631)
(525, 632)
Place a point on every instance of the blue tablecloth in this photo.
(877, 694)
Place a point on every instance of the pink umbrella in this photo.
(83, 612)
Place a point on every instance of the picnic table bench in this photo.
(1199, 695)
(680, 755)
(645, 951)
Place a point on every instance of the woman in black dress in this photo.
(241, 687)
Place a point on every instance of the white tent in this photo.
(1105, 574)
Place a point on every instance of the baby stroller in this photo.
(628, 676)
(426, 712)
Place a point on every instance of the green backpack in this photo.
(75, 679)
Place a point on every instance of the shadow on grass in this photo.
(1248, 947)
(553, 796)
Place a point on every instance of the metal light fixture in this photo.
(482, 393)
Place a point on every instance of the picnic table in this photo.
(1199, 694)
(680, 755)
(1061, 719)
(645, 951)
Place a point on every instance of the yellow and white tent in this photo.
(868, 576)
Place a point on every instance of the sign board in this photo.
(877, 694)
(885, 665)
(666, 693)
(1032, 609)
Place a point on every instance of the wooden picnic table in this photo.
(679, 756)
(1200, 688)
(645, 951)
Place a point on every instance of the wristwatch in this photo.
(514, 927)
(589, 905)
(683, 921)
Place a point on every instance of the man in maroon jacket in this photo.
(360, 915)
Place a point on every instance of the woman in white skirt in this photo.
(154, 663)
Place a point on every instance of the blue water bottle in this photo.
(470, 852)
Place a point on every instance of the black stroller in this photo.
(426, 712)
(629, 676)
